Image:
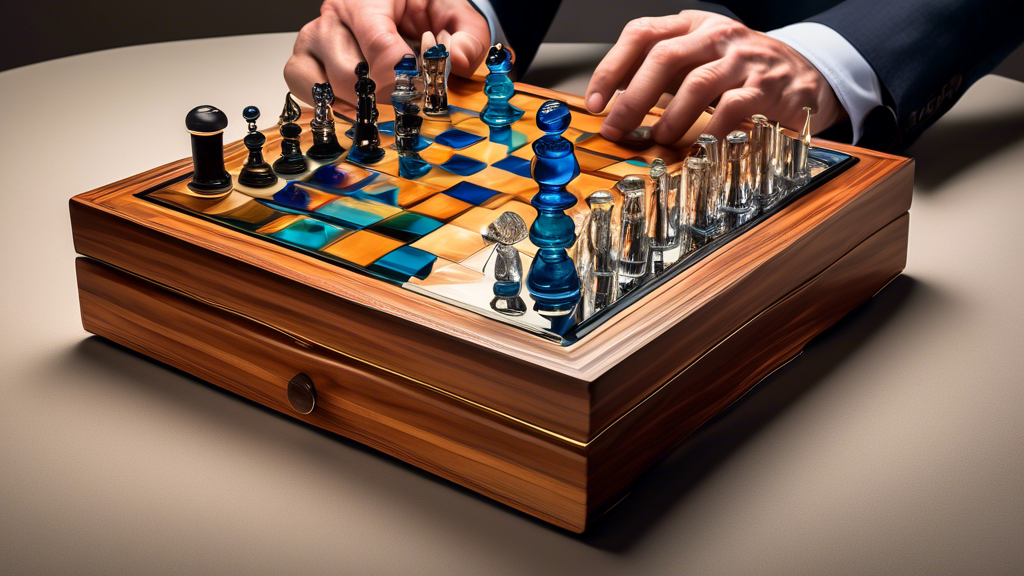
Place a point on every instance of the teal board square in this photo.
(403, 263)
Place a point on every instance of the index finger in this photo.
(624, 58)
(377, 34)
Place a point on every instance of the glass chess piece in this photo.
(506, 230)
(325, 141)
(407, 100)
(255, 173)
(552, 280)
(740, 202)
(702, 210)
(666, 207)
(498, 114)
(634, 242)
(763, 149)
(366, 147)
(597, 256)
(436, 68)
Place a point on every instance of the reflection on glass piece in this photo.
(666, 207)
(404, 263)
(740, 204)
(512, 139)
(463, 165)
(702, 209)
(407, 99)
(553, 281)
(634, 242)
(309, 233)
(597, 256)
(406, 226)
(412, 166)
(514, 306)
(471, 193)
(498, 113)
(514, 164)
(457, 139)
(436, 67)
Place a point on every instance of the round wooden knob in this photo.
(301, 393)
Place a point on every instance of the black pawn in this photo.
(206, 126)
(291, 161)
(256, 173)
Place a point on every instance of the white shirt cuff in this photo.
(497, 34)
(851, 77)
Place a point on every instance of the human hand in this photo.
(706, 57)
(376, 31)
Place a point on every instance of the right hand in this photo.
(377, 31)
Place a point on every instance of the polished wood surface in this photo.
(559, 482)
(571, 391)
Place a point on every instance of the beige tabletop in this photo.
(894, 444)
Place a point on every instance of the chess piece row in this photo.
(668, 213)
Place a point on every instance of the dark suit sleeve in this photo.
(525, 23)
(926, 54)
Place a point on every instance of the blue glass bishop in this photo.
(553, 281)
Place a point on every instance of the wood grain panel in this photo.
(491, 455)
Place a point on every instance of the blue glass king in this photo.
(553, 281)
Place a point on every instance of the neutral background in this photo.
(893, 445)
(31, 33)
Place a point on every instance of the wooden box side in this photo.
(492, 455)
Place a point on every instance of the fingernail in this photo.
(611, 132)
(595, 103)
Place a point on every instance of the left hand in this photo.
(706, 57)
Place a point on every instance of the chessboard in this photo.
(358, 301)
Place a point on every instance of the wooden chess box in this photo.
(557, 431)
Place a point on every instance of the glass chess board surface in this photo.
(426, 235)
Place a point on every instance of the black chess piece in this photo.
(325, 141)
(206, 126)
(291, 161)
(366, 147)
(256, 173)
(291, 111)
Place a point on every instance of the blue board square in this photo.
(349, 214)
(463, 165)
(515, 165)
(403, 263)
(292, 196)
(457, 139)
(471, 193)
(406, 226)
(387, 128)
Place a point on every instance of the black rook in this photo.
(206, 126)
